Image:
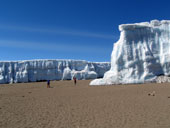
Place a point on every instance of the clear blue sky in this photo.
(69, 29)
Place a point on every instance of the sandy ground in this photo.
(32, 105)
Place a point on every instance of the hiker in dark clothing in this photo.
(75, 80)
(48, 83)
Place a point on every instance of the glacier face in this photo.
(39, 70)
(140, 55)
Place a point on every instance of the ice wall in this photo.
(39, 70)
(141, 54)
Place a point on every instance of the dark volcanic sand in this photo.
(32, 105)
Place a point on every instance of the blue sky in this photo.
(69, 29)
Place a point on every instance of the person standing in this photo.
(75, 80)
(48, 83)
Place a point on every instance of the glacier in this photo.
(41, 70)
(141, 55)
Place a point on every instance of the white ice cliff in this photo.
(141, 54)
(40, 70)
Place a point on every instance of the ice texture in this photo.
(163, 79)
(140, 55)
(40, 70)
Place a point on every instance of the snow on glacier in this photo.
(140, 55)
(39, 70)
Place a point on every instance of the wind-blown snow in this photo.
(39, 70)
(141, 54)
